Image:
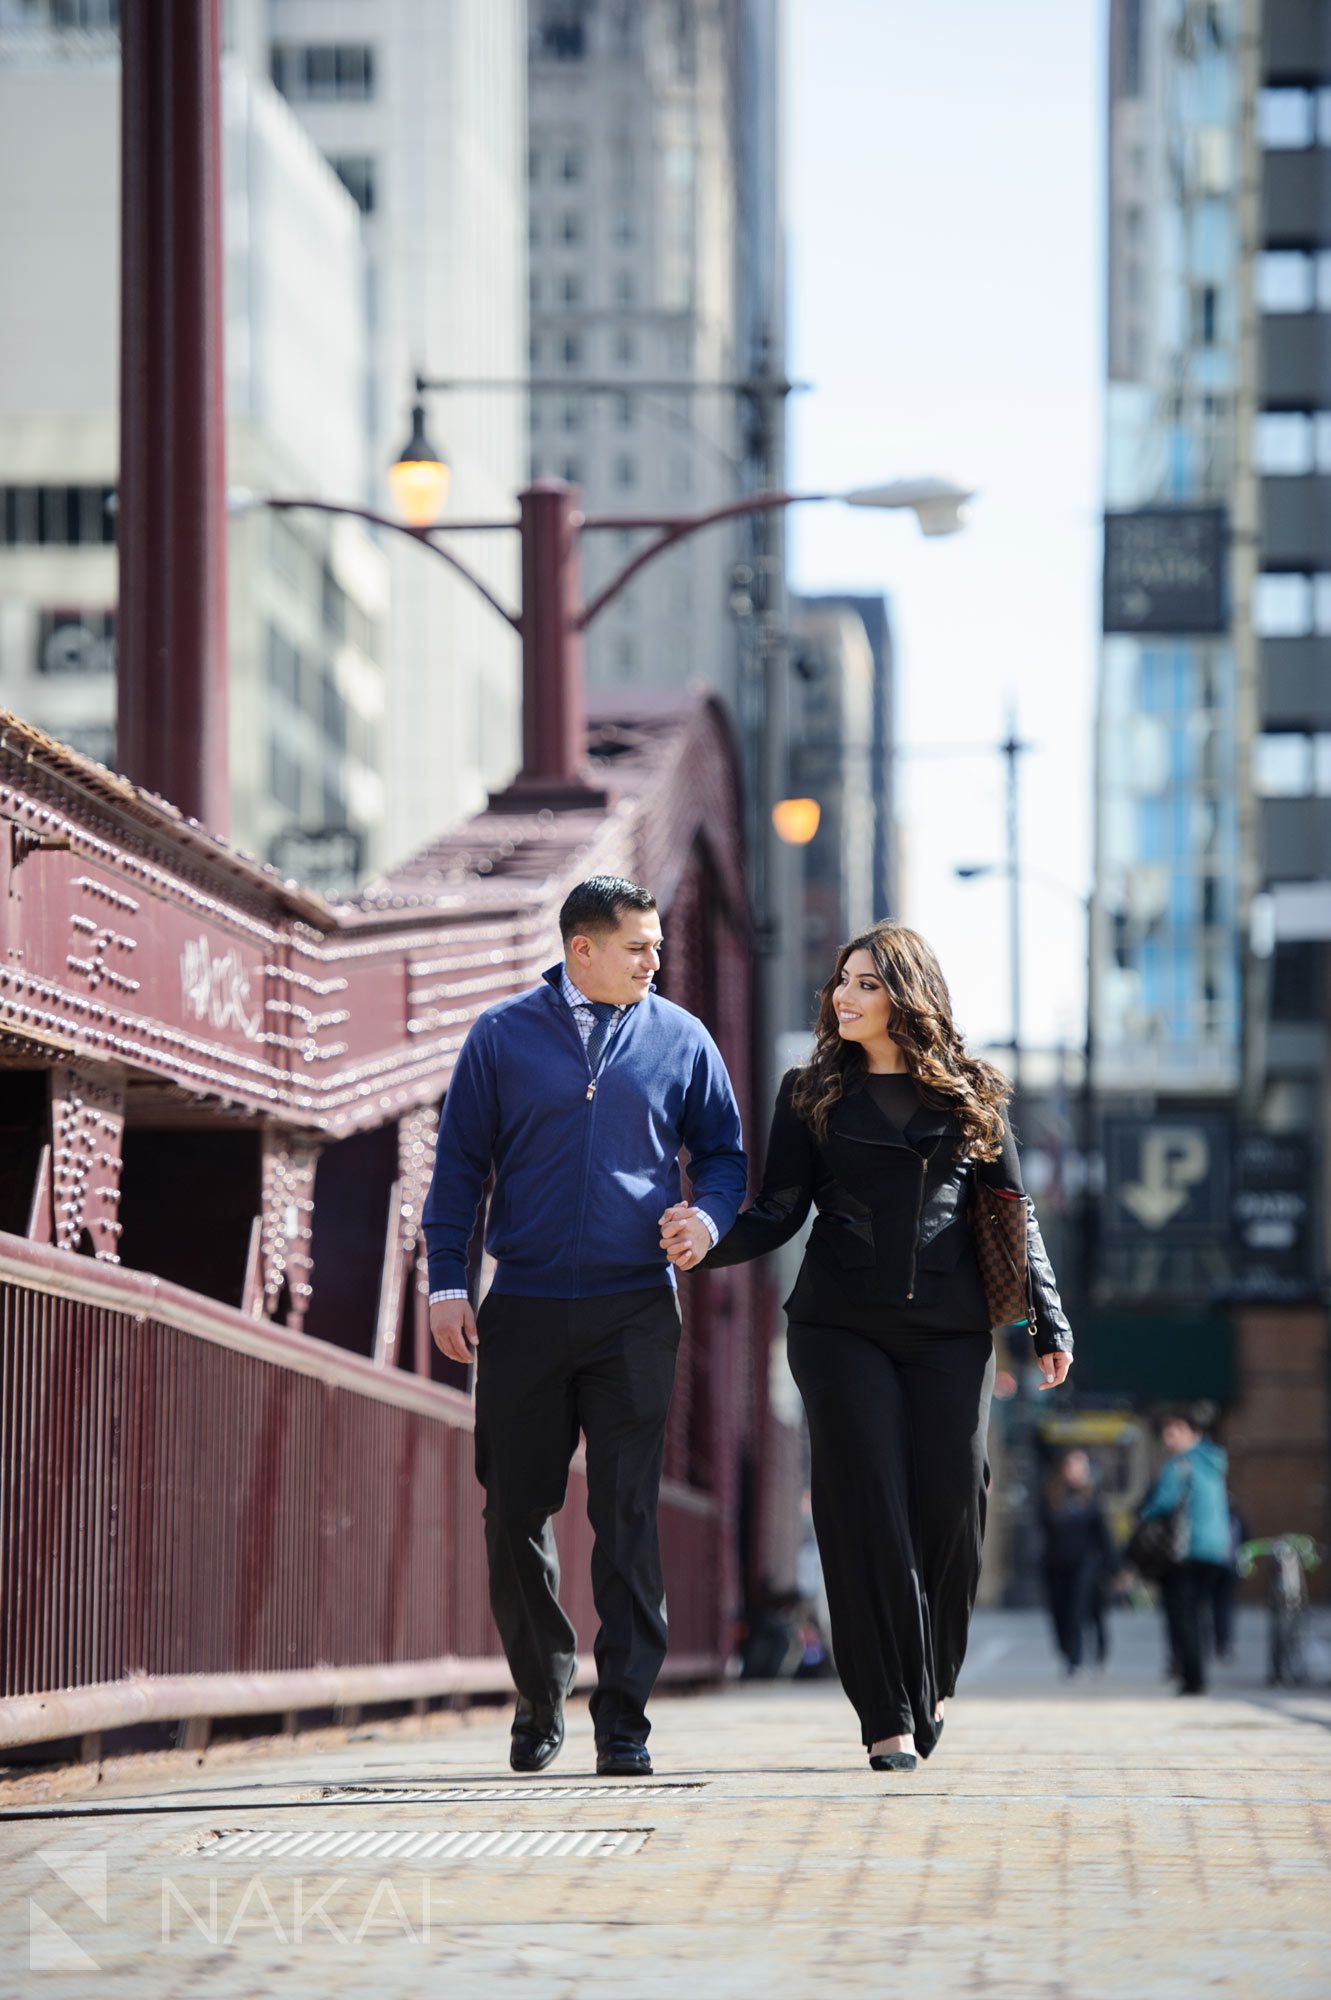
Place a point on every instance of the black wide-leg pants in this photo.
(547, 1369)
(898, 1424)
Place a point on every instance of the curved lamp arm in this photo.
(244, 503)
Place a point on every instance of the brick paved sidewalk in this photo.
(1102, 1839)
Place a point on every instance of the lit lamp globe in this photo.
(419, 480)
(796, 820)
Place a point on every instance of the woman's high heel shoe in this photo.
(893, 1760)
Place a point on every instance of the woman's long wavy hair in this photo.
(924, 1031)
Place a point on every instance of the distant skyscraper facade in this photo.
(1173, 722)
(841, 755)
(420, 108)
(1290, 1049)
(654, 270)
(306, 601)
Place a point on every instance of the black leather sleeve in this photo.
(1051, 1332)
(783, 1201)
(1005, 1171)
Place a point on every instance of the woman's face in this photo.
(860, 999)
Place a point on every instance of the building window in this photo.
(571, 350)
(623, 412)
(1283, 766)
(562, 35)
(626, 290)
(534, 288)
(1286, 119)
(283, 777)
(76, 642)
(284, 667)
(626, 347)
(324, 70)
(1286, 281)
(624, 230)
(533, 229)
(1284, 443)
(571, 414)
(570, 226)
(572, 472)
(1206, 305)
(570, 288)
(1282, 606)
(534, 350)
(57, 516)
(356, 171)
(570, 164)
(624, 659)
(626, 470)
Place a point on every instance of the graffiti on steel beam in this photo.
(216, 988)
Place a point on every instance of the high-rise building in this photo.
(841, 755)
(306, 601)
(1213, 800)
(420, 108)
(1171, 751)
(1290, 1020)
(653, 257)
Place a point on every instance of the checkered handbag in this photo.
(999, 1223)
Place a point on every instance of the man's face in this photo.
(618, 965)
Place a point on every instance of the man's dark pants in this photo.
(547, 1369)
(1188, 1591)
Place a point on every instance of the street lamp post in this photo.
(554, 615)
(1086, 1122)
(1021, 1589)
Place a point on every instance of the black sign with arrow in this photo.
(1168, 1178)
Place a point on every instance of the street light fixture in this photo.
(938, 504)
(419, 477)
(796, 820)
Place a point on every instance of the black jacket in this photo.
(887, 1208)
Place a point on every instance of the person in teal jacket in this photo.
(1194, 1477)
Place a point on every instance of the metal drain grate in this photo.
(479, 1795)
(422, 1843)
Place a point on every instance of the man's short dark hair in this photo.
(598, 904)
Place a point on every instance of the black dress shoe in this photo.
(537, 1739)
(622, 1757)
(893, 1760)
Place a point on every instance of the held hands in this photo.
(684, 1238)
(1054, 1368)
(453, 1325)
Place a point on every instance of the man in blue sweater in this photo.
(579, 1097)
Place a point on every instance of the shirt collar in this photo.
(574, 995)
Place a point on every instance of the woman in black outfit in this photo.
(890, 1341)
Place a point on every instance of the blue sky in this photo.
(945, 204)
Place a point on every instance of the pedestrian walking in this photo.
(897, 1135)
(1078, 1558)
(578, 1097)
(1191, 1496)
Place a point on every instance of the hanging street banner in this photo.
(1164, 571)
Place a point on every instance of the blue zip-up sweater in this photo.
(583, 1167)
